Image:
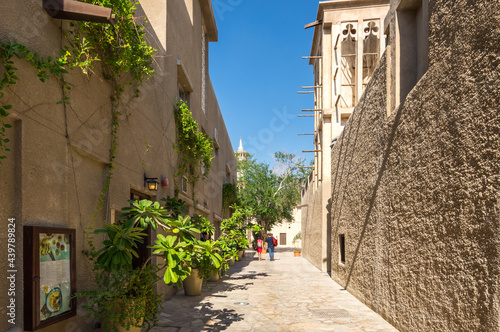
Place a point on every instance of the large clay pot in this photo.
(214, 276)
(192, 284)
(240, 254)
(132, 329)
(231, 261)
(125, 307)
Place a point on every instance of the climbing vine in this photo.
(44, 68)
(193, 146)
(121, 48)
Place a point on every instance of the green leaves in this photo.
(118, 249)
(145, 213)
(176, 257)
(205, 257)
(194, 147)
(272, 192)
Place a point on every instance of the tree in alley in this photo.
(271, 191)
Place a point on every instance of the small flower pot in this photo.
(296, 253)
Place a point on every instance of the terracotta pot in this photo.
(192, 284)
(124, 307)
(214, 276)
(296, 253)
(231, 261)
(240, 254)
(132, 329)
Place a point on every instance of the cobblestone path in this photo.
(287, 294)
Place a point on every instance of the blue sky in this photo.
(256, 69)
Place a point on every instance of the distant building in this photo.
(348, 41)
(241, 153)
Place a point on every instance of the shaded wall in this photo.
(415, 192)
(312, 225)
(60, 153)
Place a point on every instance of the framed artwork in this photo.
(49, 276)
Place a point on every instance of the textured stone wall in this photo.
(312, 225)
(416, 193)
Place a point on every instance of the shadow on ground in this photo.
(197, 313)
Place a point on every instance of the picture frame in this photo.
(49, 275)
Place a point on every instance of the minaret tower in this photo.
(241, 154)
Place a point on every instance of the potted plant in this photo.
(228, 250)
(296, 251)
(125, 296)
(205, 260)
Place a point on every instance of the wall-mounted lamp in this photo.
(78, 11)
(151, 183)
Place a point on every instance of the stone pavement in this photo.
(287, 294)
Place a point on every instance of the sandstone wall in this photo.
(59, 156)
(416, 193)
(312, 243)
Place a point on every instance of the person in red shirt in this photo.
(260, 245)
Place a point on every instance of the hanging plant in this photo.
(194, 147)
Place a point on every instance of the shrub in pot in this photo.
(125, 296)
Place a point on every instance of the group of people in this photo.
(268, 244)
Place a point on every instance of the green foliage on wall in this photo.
(121, 48)
(194, 147)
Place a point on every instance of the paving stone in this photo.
(288, 294)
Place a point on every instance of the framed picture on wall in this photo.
(49, 276)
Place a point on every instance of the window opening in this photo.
(348, 50)
(342, 248)
(371, 49)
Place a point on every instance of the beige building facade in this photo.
(59, 157)
(414, 211)
(348, 41)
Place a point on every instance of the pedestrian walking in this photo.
(270, 245)
(260, 244)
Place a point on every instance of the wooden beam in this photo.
(78, 11)
(313, 24)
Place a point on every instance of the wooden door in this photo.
(282, 239)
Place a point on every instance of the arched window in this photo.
(371, 49)
(348, 64)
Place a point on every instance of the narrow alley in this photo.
(287, 294)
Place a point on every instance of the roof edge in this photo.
(207, 11)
